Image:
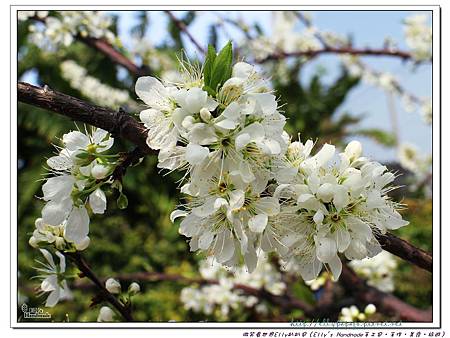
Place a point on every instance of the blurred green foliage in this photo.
(142, 238)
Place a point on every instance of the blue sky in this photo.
(368, 28)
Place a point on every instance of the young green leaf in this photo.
(222, 67)
(209, 62)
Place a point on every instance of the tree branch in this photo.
(115, 56)
(109, 51)
(284, 301)
(117, 123)
(342, 50)
(124, 125)
(385, 303)
(78, 260)
(183, 28)
(406, 251)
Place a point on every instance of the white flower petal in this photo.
(62, 261)
(268, 205)
(50, 283)
(258, 223)
(58, 187)
(53, 298)
(177, 213)
(49, 258)
(77, 227)
(326, 249)
(75, 140)
(195, 154)
(55, 212)
(150, 90)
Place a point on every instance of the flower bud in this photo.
(134, 288)
(99, 171)
(33, 242)
(353, 150)
(113, 286)
(205, 115)
(105, 314)
(361, 317)
(188, 122)
(370, 309)
(83, 244)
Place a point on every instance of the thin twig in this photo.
(341, 50)
(183, 28)
(79, 261)
(109, 51)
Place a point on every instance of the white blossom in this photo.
(223, 296)
(91, 87)
(105, 314)
(53, 278)
(113, 286)
(74, 185)
(418, 36)
(378, 271)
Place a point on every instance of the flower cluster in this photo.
(91, 87)
(79, 172)
(248, 187)
(225, 132)
(418, 164)
(352, 313)
(331, 208)
(378, 271)
(61, 28)
(285, 38)
(418, 36)
(390, 84)
(223, 297)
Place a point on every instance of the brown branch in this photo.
(109, 51)
(123, 125)
(114, 55)
(406, 251)
(342, 50)
(183, 28)
(284, 301)
(117, 123)
(78, 260)
(385, 303)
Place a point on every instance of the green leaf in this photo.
(208, 66)
(222, 67)
(209, 90)
(383, 137)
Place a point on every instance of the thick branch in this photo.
(117, 123)
(125, 126)
(385, 303)
(406, 251)
(105, 294)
